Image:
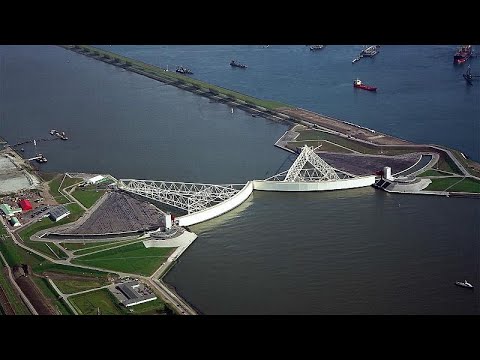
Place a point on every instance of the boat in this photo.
(316, 47)
(358, 84)
(463, 54)
(370, 51)
(356, 59)
(464, 284)
(52, 132)
(182, 70)
(235, 64)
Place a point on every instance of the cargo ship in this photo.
(463, 54)
(235, 64)
(358, 84)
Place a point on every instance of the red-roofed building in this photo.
(25, 205)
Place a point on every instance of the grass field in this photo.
(70, 286)
(135, 259)
(325, 145)
(14, 300)
(89, 303)
(55, 183)
(87, 197)
(433, 173)
(51, 294)
(149, 308)
(91, 245)
(104, 247)
(455, 184)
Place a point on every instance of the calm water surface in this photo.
(351, 252)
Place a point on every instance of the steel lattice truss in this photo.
(321, 171)
(192, 197)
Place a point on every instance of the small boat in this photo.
(464, 284)
(235, 64)
(52, 132)
(316, 47)
(22, 149)
(182, 70)
(358, 84)
(356, 59)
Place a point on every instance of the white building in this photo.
(58, 213)
(95, 179)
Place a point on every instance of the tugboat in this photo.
(463, 54)
(235, 64)
(182, 70)
(464, 284)
(316, 47)
(358, 84)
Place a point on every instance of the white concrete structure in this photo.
(266, 185)
(168, 221)
(387, 173)
(218, 209)
(206, 201)
(95, 179)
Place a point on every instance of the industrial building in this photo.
(95, 179)
(7, 210)
(58, 213)
(25, 205)
(14, 222)
(135, 293)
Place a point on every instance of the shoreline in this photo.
(271, 110)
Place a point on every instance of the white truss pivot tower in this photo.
(321, 171)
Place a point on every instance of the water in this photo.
(348, 252)
(421, 95)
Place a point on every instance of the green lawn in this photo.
(71, 286)
(446, 164)
(14, 254)
(104, 247)
(149, 308)
(325, 145)
(87, 304)
(18, 306)
(55, 183)
(135, 259)
(87, 197)
(51, 294)
(433, 173)
(76, 246)
(465, 185)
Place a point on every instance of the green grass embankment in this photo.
(433, 173)
(134, 258)
(101, 300)
(455, 184)
(105, 247)
(87, 196)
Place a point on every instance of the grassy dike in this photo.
(171, 76)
